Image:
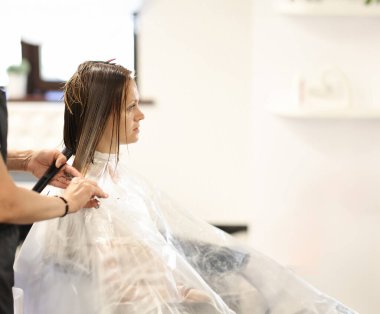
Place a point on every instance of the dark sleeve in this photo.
(3, 125)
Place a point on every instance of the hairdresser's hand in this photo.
(81, 193)
(39, 161)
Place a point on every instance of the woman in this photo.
(138, 253)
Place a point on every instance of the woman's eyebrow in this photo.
(133, 101)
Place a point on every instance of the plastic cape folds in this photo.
(138, 253)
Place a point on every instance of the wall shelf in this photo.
(346, 113)
(328, 7)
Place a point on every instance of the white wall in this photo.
(316, 182)
(308, 188)
(196, 64)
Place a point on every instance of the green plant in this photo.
(371, 1)
(22, 68)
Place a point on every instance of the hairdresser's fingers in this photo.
(59, 183)
(92, 182)
(61, 180)
(98, 192)
(70, 172)
(91, 186)
(60, 159)
(64, 176)
(81, 193)
(92, 203)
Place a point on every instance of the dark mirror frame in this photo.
(35, 84)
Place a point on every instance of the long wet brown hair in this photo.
(95, 93)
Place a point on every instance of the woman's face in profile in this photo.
(131, 116)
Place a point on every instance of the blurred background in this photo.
(259, 114)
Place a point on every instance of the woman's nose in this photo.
(140, 115)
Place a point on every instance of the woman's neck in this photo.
(104, 146)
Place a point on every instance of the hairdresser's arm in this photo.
(37, 162)
(21, 206)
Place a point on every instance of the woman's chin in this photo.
(132, 140)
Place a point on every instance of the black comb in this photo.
(50, 173)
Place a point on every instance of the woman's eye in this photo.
(130, 108)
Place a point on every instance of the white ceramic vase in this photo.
(17, 85)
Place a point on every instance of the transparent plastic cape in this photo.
(138, 253)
